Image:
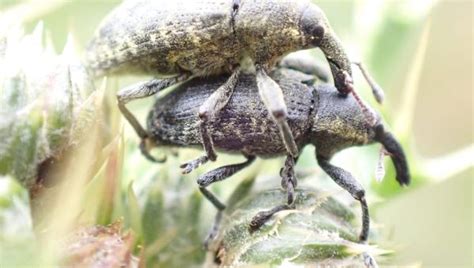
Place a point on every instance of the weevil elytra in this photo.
(317, 115)
(181, 39)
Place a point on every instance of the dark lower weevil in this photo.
(185, 38)
(316, 115)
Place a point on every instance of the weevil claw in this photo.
(259, 220)
(145, 146)
(263, 216)
(193, 164)
(369, 261)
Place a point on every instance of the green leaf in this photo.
(320, 231)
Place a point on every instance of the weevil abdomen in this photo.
(243, 125)
(164, 37)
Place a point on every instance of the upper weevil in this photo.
(316, 115)
(185, 38)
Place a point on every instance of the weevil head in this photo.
(339, 123)
(317, 32)
(313, 25)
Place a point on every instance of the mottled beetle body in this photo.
(196, 36)
(175, 40)
(317, 115)
(243, 126)
(165, 38)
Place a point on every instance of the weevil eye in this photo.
(311, 26)
(314, 35)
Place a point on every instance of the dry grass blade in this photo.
(404, 121)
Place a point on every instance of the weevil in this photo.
(317, 115)
(176, 40)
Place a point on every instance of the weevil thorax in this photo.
(269, 29)
(339, 123)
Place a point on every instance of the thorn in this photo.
(69, 49)
(38, 33)
(100, 95)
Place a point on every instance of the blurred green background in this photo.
(421, 53)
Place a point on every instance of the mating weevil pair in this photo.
(197, 38)
(186, 38)
(317, 115)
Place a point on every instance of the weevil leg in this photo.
(350, 184)
(142, 90)
(207, 112)
(223, 173)
(193, 164)
(235, 6)
(235, 10)
(288, 182)
(306, 65)
(212, 176)
(145, 146)
(369, 261)
(272, 96)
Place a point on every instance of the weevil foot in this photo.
(235, 10)
(209, 239)
(263, 216)
(235, 6)
(259, 220)
(192, 165)
(369, 261)
(213, 231)
(146, 144)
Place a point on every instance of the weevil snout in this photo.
(318, 33)
(342, 77)
(394, 149)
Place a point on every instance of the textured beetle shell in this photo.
(243, 125)
(339, 123)
(170, 37)
(317, 115)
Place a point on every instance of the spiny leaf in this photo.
(43, 98)
(320, 231)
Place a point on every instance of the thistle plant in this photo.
(46, 103)
(66, 149)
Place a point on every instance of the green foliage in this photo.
(16, 226)
(44, 100)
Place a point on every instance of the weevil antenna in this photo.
(377, 91)
(369, 114)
